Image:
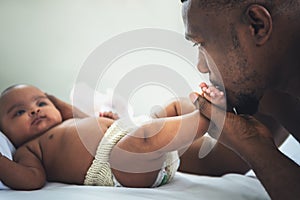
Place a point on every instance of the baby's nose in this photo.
(34, 112)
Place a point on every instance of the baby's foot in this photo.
(212, 94)
(109, 114)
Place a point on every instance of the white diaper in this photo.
(100, 172)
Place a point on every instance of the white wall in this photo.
(46, 42)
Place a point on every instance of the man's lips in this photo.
(218, 86)
(221, 87)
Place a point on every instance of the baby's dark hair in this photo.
(10, 88)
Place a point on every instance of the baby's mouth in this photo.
(37, 120)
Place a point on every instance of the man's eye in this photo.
(199, 44)
(41, 104)
(19, 112)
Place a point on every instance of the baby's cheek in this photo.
(58, 116)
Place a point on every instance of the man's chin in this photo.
(245, 105)
(249, 110)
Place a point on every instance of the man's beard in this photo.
(246, 104)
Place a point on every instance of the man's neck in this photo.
(292, 85)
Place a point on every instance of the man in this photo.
(254, 45)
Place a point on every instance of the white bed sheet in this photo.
(183, 186)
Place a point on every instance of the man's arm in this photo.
(215, 160)
(25, 173)
(279, 175)
(254, 143)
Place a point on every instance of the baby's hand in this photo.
(109, 114)
(212, 94)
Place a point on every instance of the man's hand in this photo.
(67, 110)
(233, 130)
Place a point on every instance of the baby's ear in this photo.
(260, 23)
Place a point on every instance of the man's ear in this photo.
(260, 23)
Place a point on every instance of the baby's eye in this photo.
(41, 104)
(19, 112)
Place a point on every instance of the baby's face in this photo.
(26, 112)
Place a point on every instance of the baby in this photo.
(91, 150)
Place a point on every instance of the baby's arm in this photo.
(26, 172)
(67, 110)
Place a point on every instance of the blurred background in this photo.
(46, 42)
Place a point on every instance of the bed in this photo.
(183, 186)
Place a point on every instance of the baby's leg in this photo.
(109, 114)
(141, 154)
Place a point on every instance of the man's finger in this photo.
(227, 127)
(212, 112)
(215, 114)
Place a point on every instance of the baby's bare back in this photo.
(67, 150)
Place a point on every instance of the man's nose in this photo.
(202, 64)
